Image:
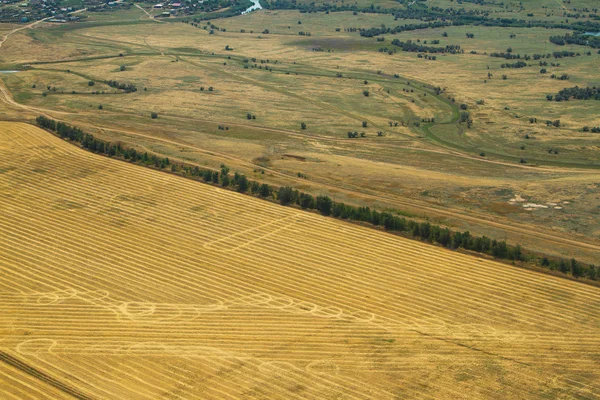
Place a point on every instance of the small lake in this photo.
(592, 33)
(256, 6)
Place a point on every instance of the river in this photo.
(256, 6)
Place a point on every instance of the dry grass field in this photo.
(120, 282)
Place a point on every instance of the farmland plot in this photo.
(120, 282)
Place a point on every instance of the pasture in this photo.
(123, 282)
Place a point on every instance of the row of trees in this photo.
(564, 54)
(417, 47)
(576, 38)
(323, 204)
(518, 64)
(127, 87)
(587, 93)
(376, 31)
(461, 17)
(593, 129)
(508, 55)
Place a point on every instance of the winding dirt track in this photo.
(117, 281)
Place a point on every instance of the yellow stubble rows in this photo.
(124, 282)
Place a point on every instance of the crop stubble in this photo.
(123, 282)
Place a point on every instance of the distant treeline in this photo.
(511, 56)
(437, 16)
(127, 87)
(421, 48)
(518, 64)
(576, 38)
(588, 93)
(323, 204)
(370, 32)
(507, 55)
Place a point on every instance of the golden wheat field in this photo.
(121, 282)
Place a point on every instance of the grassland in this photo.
(433, 171)
(122, 282)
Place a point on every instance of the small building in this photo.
(158, 5)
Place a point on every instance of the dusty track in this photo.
(124, 282)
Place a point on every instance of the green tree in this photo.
(563, 267)
(285, 195)
(324, 204)
(225, 180)
(576, 269)
(307, 201)
(592, 273)
(242, 184)
(254, 187)
(264, 191)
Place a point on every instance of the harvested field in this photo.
(120, 282)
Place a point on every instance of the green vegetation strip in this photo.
(288, 196)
